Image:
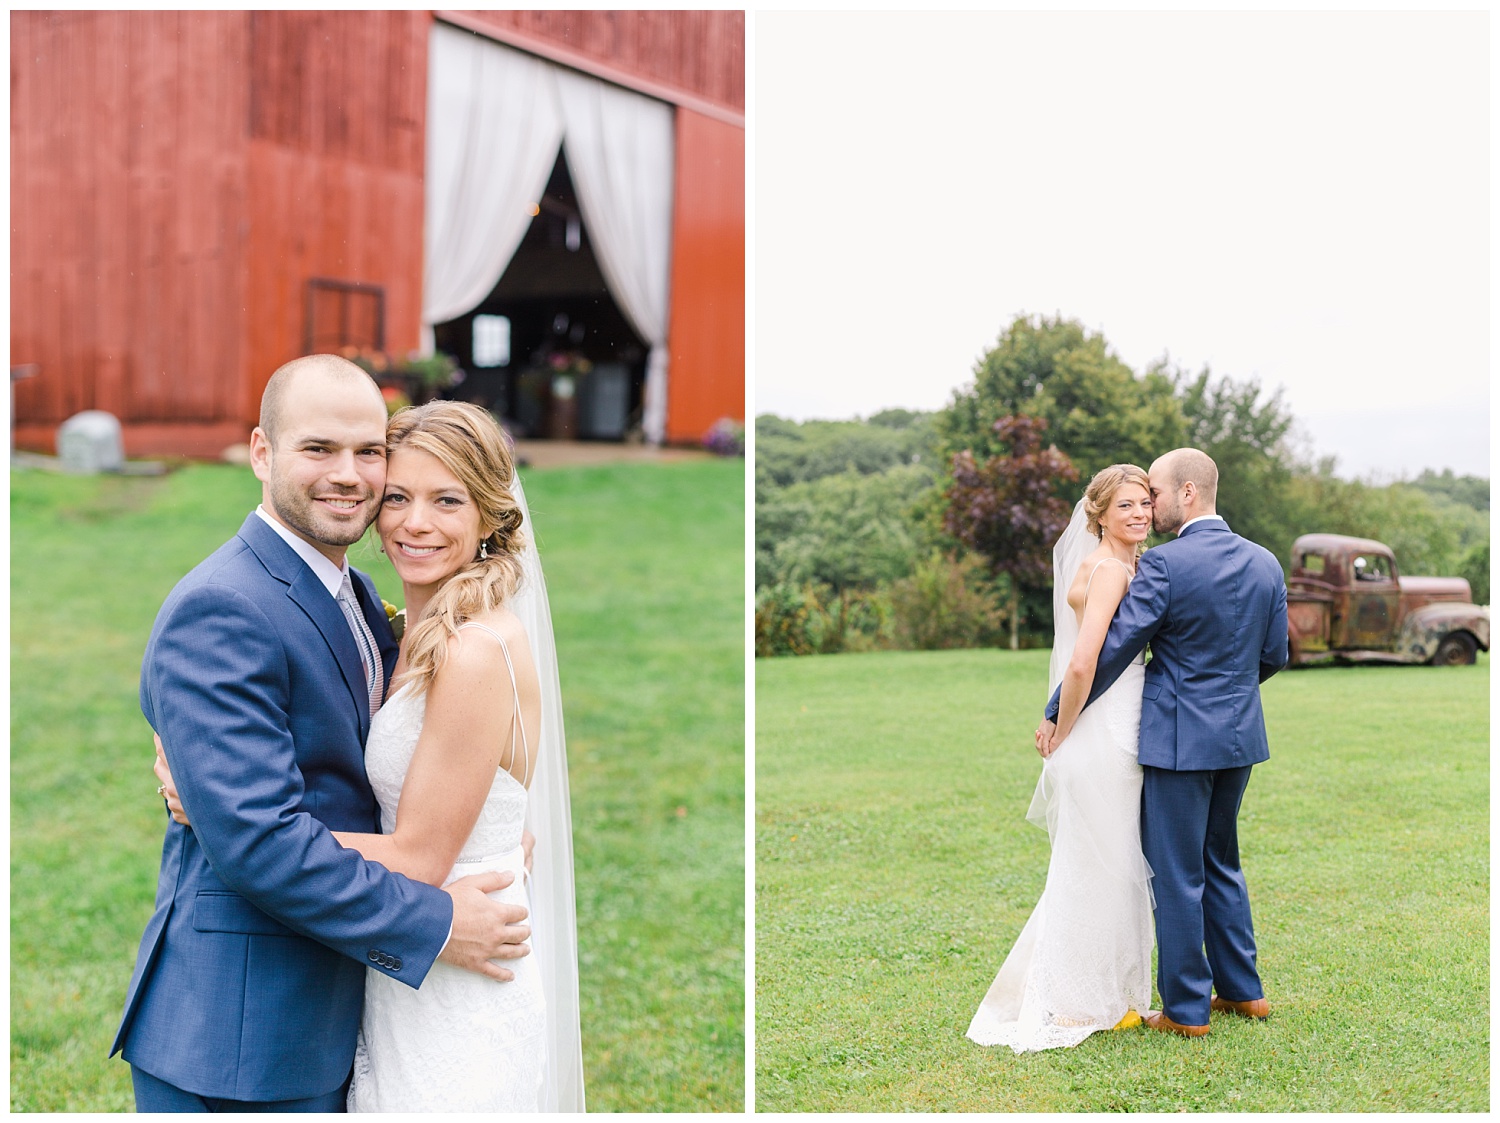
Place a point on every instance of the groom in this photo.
(261, 675)
(1213, 607)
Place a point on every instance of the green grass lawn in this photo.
(645, 569)
(894, 869)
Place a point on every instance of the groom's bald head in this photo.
(1184, 486)
(1189, 465)
(323, 369)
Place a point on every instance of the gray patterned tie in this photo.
(364, 639)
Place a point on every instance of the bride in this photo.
(1083, 961)
(466, 751)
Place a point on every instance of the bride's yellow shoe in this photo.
(1129, 1021)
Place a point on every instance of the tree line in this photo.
(859, 545)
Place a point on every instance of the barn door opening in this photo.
(548, 350)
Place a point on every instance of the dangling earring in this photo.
(484, 550)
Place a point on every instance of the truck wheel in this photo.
(1456, 650)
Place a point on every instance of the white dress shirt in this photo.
(332, 576)
(1199, 519)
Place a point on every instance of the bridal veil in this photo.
(1075, 544)
(554, 921)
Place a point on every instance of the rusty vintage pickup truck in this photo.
(1346, 601)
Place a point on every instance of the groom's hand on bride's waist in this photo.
(485, 930)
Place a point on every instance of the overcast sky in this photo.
(1301, 199)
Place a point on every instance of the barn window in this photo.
(491, 341)
(344, 314)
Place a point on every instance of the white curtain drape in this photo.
(493, 129)
(495, 118)
(620, 151)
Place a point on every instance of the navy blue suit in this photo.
(250, 977)
(1213, 607)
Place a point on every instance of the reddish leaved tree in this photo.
(1007, 510)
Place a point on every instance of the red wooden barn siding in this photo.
(706, 375)
(176, 178)
(127, 203)
(338, 109)
(700, 53)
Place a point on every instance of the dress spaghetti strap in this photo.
(517, 722)
(1095, 570)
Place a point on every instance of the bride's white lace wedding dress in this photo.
(462, 1042)
(1083, 960)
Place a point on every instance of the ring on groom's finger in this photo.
(161, 789)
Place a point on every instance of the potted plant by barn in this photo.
(416, 378)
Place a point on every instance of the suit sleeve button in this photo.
(396, 964)
(374, 957)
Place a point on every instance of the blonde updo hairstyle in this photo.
(467, 441)
(1101, 493)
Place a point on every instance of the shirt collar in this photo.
(331, 576)
(1180, 529)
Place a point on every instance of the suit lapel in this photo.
(307, 592)
(310, 595)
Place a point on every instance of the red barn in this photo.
(554, 198)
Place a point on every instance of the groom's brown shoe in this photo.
(1161, 1022)
(1255, 1008)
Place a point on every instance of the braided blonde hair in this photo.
(466, 440)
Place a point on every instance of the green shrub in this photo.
(784, 621)
(1475, 568)
(812, 618)
(854, 620)
(946, 602)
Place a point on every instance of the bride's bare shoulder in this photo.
(1081, 579)
(504, 623)
(1086, 567)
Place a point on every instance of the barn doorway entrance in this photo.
(548, 350)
